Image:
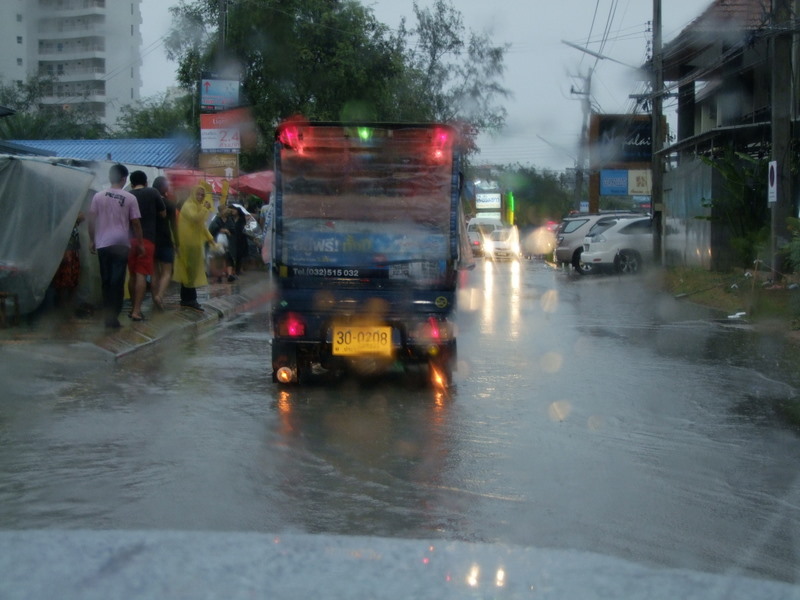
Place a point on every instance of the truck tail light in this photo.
(433, 331)
(436, 333)
(441, 143)
(291, 325)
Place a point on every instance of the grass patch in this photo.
(734, 292)
(789, 411)
(775, 307)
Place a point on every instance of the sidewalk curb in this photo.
(186, 322)
(49, 338)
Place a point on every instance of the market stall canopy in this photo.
(34, 232)
(258, 184)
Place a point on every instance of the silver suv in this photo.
(572, 230)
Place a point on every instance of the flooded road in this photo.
(588, 413)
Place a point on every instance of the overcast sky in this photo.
(544, 116)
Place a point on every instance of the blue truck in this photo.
(367, 243)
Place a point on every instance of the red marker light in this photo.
(292, 325)
(290, 136)
(434, 328)
(441, 142)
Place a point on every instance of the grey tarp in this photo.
(40, 200)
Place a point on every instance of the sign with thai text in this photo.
(219, 94)
(219, 133)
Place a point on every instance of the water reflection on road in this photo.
(347, 462)
(588, 413)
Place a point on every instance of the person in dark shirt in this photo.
(140, 264)
(166, 243)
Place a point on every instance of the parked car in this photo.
(503, 244)
(623, 245)
(478, 230)
(572, 231)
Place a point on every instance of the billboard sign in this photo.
(487, 201)
(613, 182)
(640, 182)
(219, 94)
(219, 133)
(621, 139)
(220, 164)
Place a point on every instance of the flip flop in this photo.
(141, 318)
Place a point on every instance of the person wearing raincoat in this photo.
(193, 234)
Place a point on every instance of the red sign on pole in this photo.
(219, 133)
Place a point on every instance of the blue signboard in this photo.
(613, 182)
(219, 94)
(312, 248)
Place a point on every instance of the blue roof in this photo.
(163, 153)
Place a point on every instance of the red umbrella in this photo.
(259, 184)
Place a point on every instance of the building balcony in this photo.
(71, 75)
(72, 54)
(55, 36)
(58, 29)
(99, 97)
(57, 8)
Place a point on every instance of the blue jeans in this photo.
(113, 265)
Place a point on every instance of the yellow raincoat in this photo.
(190, 263)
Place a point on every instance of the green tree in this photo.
(324, 59)
(451, 74)
(157, 117)
(742, 208)
(35, 120)
(539, 195)
(332, 60)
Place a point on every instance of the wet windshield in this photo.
(356, 360)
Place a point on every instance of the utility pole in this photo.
(657, 180)
(781, 55)
(586, 103)
(223, 25)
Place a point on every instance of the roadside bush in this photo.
(742, 209)
(793, 247)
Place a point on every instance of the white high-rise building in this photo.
(91, 47)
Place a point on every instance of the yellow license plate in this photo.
(353, 340)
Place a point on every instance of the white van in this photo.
(478, 230)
